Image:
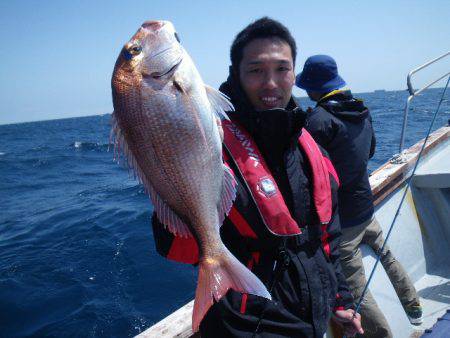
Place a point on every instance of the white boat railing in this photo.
(413, 93)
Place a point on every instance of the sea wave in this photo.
(83, 145)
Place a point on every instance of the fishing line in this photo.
(282, 259)
(401, 203)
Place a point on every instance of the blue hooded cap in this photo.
(319, 74)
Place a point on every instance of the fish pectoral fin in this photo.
(219, 102)
(216, 277)
(228, 193)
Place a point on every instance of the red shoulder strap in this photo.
(321, 177)
(260, 182)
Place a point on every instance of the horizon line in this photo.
(101, 114)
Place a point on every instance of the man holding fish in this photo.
(283, 224)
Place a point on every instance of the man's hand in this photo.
(350, 322)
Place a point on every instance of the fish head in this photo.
(152, 56)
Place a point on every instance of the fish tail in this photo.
(216, 277)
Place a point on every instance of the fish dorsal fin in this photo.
(219, 102)
(164, 213)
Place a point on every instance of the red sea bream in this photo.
(164, 121)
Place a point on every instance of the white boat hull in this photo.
(420, 239)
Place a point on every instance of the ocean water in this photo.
(77, 256)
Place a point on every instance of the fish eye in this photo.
(132, 50)
(135, 49)
(177, 37)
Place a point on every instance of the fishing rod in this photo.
(408, 184)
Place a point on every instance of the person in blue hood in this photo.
(342, 125)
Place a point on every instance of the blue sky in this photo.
(57, 56)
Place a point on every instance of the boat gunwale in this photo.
(387, 178)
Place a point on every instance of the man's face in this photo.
(267, 74)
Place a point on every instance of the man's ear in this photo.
(234, 72)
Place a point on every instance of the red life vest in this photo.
(263, 187)
(265, 193)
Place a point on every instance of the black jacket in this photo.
(343, 126)
(303, 281)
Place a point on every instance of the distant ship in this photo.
(379, 91)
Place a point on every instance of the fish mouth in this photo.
(157, 75)
(153, 25)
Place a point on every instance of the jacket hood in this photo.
(273, 130)
(288, 121)
(344, 106)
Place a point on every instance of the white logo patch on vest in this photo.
(267, 187)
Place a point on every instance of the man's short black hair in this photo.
(260, 29)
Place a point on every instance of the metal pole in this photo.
(405, 122)
(408, 80)
(413, 93)
(430, 84)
